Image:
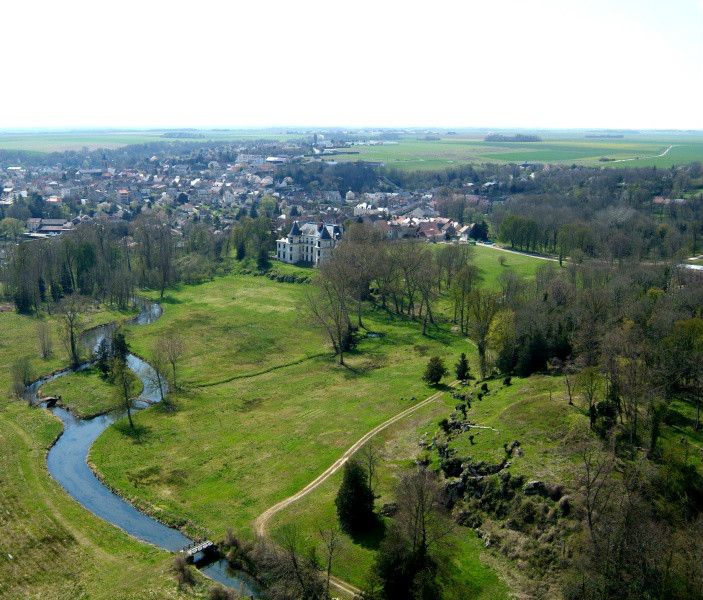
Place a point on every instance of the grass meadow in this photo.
(633, 150)
(50, 547)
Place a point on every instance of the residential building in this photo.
(309, 243)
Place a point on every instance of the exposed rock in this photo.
(533, 487)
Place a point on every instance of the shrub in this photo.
(434, 371)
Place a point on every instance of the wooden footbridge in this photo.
(199, 546)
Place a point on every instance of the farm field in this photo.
(642, 149)
(44, 142)
(50, 546)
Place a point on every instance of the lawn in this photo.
(50, 547)
(488, 260)
(86, 393)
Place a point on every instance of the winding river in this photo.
(67, 461)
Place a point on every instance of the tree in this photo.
(159, 368)
(589, 384)
(11, 229)
(126, 383)
(70, 312)
(370, 456)
(331, 538)
(461, 368)
(355, 500)
(22, 374)
(327, 308)
(483, 307)
(46, 341)
(434, 371)
(407, 561)
(173, 348)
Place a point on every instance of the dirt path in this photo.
(262, 521)
(642, 157)
(494, 247)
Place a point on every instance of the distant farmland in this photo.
(633, 150)
(45, 142)
(415, 152)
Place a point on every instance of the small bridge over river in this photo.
(195, 547)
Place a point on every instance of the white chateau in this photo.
(309, 243)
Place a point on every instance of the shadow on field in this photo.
(372, 537)
(137, 434)
(169, 299)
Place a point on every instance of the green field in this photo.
(415, 152)
(43, 142)
(265, 410)
(560, 148)
(50, 547)
(85, 392)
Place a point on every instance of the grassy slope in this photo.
(232, 450)
(474, 570)
(58, 549)
(86, 393)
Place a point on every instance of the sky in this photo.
(494, 63)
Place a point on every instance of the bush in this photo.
(434, 371)
(181, 571)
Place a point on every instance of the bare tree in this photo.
(327, 309)
(46, 341)
(287, 570)
(22, 375)
(125, 381)
(422, 515)
(70, 312)
(483, 307)
(589, 384)
(566, 367)
(173, 347)
(596, 485)
(158, 375)
(370, 456)
(331, 538)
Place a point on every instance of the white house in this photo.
(308, 243)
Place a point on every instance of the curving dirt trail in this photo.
(262, 521)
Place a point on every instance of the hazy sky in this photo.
(489, 63)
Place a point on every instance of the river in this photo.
(67, 462)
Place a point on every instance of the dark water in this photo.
(67, 462)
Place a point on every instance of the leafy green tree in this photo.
(461, 368)
(11, 229)
(354, 500)
(434, 371)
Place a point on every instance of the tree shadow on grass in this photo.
(138, 434)
(371, 537)
(169, 299)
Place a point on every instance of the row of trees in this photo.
(405, 277)
(108, 261)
